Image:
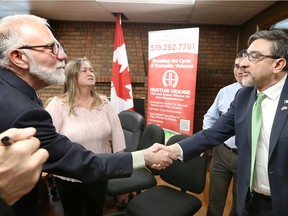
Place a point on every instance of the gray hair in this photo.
(10, 35)
(279, 39)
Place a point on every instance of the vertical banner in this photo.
(121, 89)
(172, 71)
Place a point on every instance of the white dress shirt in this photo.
(269, 106)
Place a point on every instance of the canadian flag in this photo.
(121, 89)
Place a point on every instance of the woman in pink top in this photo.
(87, 118)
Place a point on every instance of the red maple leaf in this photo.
(120, 80)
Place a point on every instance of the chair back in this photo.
(141, 179)
(152, 134)
(133, 125)
(189, 176)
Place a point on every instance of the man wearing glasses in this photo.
(264, 100)
(31, 59)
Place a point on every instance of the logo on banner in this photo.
(170, 79)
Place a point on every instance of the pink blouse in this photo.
(93, 128)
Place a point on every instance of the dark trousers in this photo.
(223, 167)
(77, 196)
(259, 205)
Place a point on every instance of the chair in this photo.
(133, 125)
(168, 200)
(140, 179)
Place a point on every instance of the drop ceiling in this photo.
(140, 11)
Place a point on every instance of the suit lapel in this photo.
(280, 118)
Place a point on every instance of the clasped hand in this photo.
(159, 156)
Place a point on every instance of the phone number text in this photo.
(168, 47)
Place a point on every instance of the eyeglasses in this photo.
(55, 47)
(253, 56)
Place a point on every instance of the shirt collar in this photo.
(274, 91)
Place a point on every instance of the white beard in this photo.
(50, 76)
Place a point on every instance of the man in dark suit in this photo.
(264, 71)
(31, 58)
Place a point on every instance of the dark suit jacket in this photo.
(19, 108)
(5, 210)
(238, 121)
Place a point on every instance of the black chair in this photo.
(168, 200)
(140, 179)
(133, 125)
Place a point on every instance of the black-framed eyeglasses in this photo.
(253, 56)
(55, 47)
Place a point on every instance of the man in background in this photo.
(223, 165)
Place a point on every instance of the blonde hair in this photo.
(72, 71)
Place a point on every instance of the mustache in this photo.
(60, 65)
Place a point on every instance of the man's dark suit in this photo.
(19, 108)
(238, 119)
(5, 209)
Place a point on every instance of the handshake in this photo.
(160, 156)
(21, 161)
